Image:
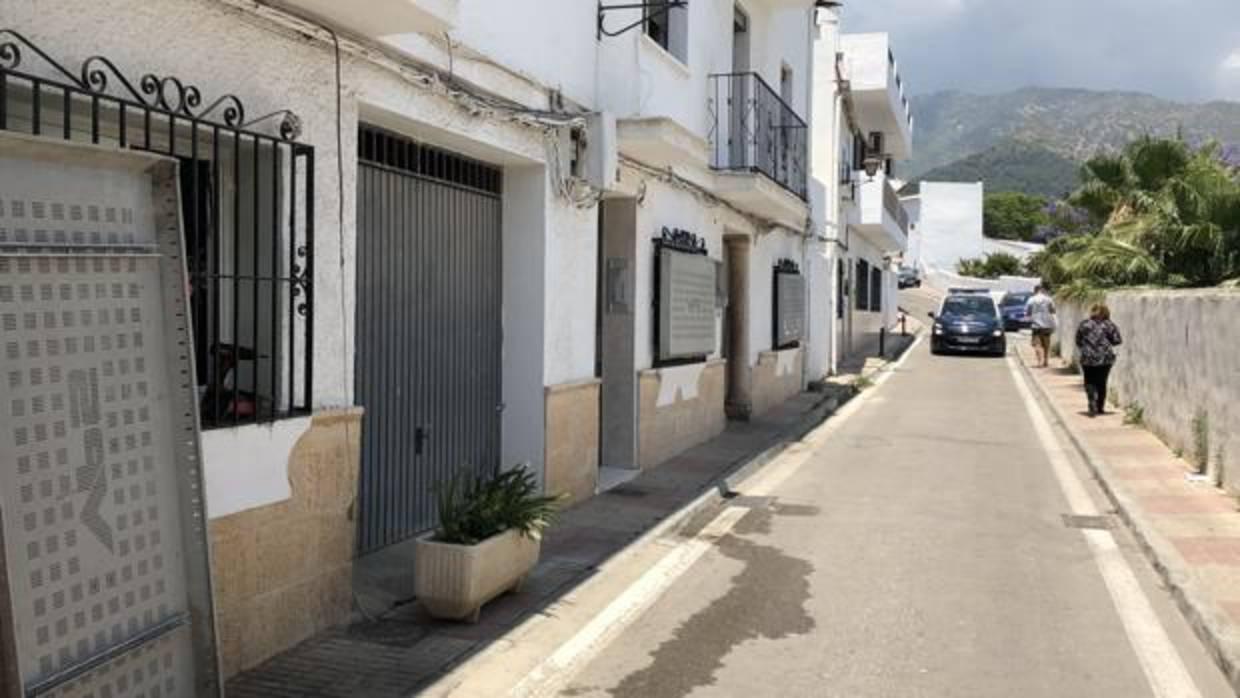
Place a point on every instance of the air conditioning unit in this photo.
(599, 159)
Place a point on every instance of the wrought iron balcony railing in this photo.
(754, 130)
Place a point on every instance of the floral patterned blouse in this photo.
(1096, 340)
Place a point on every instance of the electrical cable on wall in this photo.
(703, 195)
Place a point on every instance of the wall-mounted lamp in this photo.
(872, 165)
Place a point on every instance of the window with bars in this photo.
(876, 290)
(669, 28)
(862, 281)
(247, 201)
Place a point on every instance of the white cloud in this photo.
(1156, 46)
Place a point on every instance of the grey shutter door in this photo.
(428, 341)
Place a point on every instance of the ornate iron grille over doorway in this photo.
(247, 205)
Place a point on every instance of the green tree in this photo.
(1013, 216)
(1169, 216)
(991, 267)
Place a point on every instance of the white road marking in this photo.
(556, 670)
(1163, 667)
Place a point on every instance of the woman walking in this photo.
(1096, 340)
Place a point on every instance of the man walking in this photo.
(1041, 311)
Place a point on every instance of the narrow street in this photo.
(920, 549)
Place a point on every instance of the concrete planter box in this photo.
(454, 581)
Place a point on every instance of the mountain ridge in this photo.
(1072, 123)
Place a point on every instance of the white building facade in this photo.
(419, 240)
(947, 224)
(446, 234)
(866, 226)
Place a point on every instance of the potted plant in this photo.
(488, 540)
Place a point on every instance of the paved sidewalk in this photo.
(1190, 529)
(404, 651)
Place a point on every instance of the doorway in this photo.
(738, 402)
(428, 364)
(740, 114)
(617, 341)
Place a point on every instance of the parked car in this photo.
(909, 278)
(968, 322)
(1012, 307)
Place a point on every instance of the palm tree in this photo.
(1169, 215)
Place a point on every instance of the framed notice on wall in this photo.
(686, 301)
(789, 310)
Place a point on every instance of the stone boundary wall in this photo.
(1180, 362)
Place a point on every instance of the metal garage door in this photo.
(102, 526)
(428, 328)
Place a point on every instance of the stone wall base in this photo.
(775, 379)
(572, 439)
(680, 407)
(283, 572)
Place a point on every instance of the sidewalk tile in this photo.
(1232, 608)
(1154, 472)
(1209, 550)
(1203, 503)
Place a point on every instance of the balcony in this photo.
(382, 17)
(758, 147)
(877, 90)
(881, 217)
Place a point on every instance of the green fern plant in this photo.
(475, 507)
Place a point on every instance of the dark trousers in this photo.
(1096, 386)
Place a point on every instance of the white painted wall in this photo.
(878, 93)
(525, 254)
(248, 468)
(827, 131)
(912, 204)
(270, 68)
(629, 74)
(571, 291)
(764, 254)
(950, 223)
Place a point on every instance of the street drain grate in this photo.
(628, 491)
(750, 502)
(1084, 521)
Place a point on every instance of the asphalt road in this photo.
(920, 550)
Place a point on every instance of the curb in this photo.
(1207, 620)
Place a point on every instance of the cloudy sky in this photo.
(1180, 49)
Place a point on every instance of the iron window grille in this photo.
(247, 203)
(876, 290)
(862, 281)
(841, 285)
(754, 130)
(377, 146)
